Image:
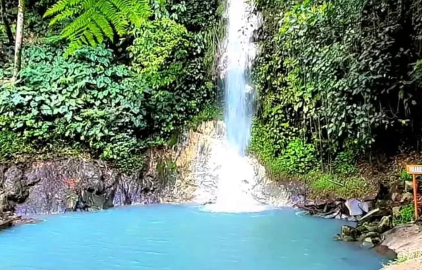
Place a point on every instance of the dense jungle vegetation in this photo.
(339, 84)
(110, 78)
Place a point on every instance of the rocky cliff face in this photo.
(188, 172)
(200, 159)
(70, 185)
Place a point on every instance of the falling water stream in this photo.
(236, 173)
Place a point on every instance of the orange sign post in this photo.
(415, 170)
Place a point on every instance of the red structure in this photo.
(415, 170)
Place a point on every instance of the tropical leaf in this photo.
(90, 22)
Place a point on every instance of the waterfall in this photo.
(239, 96)
(236, 174)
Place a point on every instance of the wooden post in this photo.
(415, 170)
(415, 196)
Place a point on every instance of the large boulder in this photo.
(403, 239)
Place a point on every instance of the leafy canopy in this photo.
(89, 22)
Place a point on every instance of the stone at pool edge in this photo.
(5, 224)
(348, 233)
(23, 221)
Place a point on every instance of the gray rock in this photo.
(333, 215)
(353, 219)
(396, 211)
(385, 224)
(367, 243)
(353, 207)
(364, 206)
(368, 234)
(406, 197)
(12, 180)
(5, 224)
(75, 185)
(373, 215)
(349, 233)
(5, 205)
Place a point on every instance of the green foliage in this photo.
(194, 14)
(12, 145)
(155, 43)
(325, 185)
(89, 22)
(112, 104)
(210, 112)
(89, 100)
(297, 157)
(404, 176)
(86, 99)
(340, 74)
(170, 60)
(345, 162)
(406, 215)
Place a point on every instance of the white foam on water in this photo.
(236, 180)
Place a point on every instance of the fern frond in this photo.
(73, 47)
(95, 20)
(96, 31)
(90, 38)
(104, 25)
(66, 14)
(112, 16)
(78, 25)
(61, 6)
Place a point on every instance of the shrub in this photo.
(90, 100)
(86, 99)
(297, 157)
(12, 145)
(210, 112)
(406, 215)
(337, 186)
(404, 176)
(345, 162)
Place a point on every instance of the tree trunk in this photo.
(19, 39)
(5, 22)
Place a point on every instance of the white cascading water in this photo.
(236, 173)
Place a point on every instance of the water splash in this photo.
(236, 174)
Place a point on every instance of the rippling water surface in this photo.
(181, 238)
